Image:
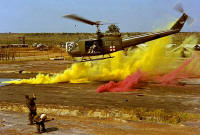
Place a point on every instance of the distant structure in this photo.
(18, 45)
(22, 39)
(8, 51)
(5, 54)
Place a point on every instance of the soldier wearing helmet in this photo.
(39, 121)
(30, 103)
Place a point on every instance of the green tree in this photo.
(112, 28)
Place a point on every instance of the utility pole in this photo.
(22, 39)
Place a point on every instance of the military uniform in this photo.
(30, 102)
(39, 121)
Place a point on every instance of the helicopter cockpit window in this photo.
(70, 46)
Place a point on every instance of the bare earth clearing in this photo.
(12, 123)
(93, 111)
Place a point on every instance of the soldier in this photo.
(30, 102)
(39, 121)
(92, 49)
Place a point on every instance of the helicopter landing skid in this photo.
(86, 60)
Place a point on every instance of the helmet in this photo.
(43, 116)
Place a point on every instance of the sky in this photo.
(33, 16)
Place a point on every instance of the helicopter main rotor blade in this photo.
(81, 19)
(178, 7)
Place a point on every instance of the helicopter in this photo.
(112, 42)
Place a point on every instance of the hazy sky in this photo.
(131, 15)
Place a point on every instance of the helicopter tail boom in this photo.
(180, 22)
(138, 39)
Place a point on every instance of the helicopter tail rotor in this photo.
(179, 8)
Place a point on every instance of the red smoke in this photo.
(131, 81)
(170, 77)
(122, 86)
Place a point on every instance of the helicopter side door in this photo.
(93, 47)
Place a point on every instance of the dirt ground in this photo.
(12, 123)
(34, 66)
(169, 98)
(151, 96)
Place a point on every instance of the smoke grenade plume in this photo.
(153, 60)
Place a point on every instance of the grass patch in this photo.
(160, 115)
(53, 39)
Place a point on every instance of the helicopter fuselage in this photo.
(112, 42)
(108, 43)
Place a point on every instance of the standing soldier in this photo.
(30, 102)
(39, 121)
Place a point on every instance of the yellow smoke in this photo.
(184, 48)
(152, 60)
(193, 67)
(149, 60)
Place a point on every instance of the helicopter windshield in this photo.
(70, 46)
